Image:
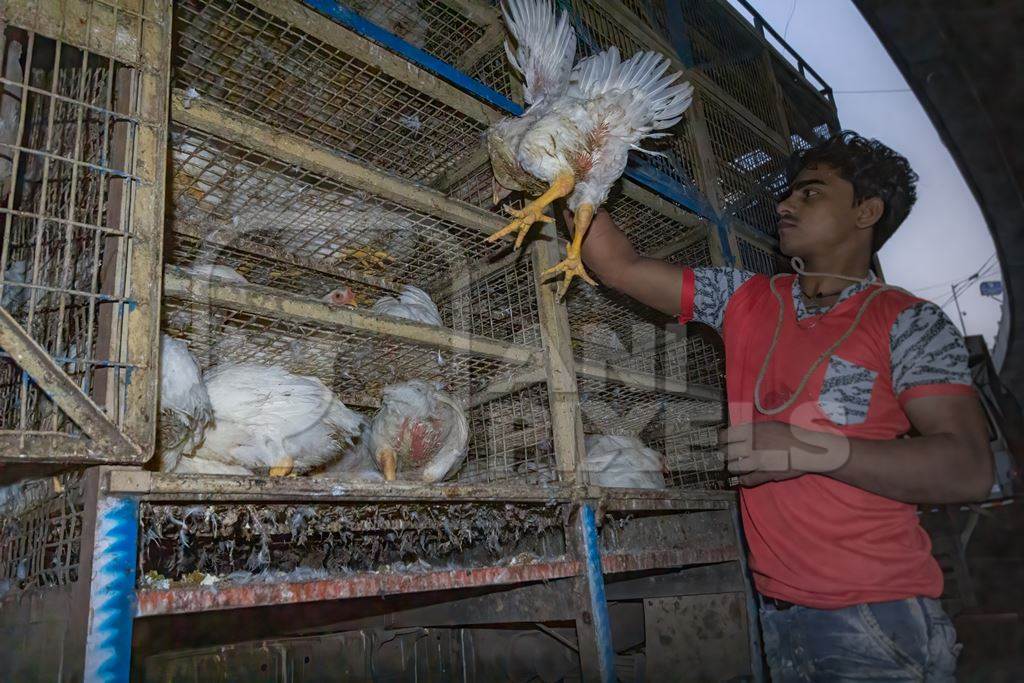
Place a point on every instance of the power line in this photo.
(792, 11)
(870, 92)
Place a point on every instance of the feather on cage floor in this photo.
(179, 542)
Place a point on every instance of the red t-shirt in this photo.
(813, 540)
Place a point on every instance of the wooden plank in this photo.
(298, 151)
(167, 486)
(261, 250)
(65, 393)
(140, 344)
(507, 386)
(277, 304)
(642, 380)
(322, 28)
(560, 365)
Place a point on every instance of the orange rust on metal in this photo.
(202, 599)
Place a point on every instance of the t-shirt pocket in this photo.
(846, 392)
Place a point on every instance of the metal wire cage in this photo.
(810, 117)
(82, 124)
(749, 166)
(725, 50)
(464, 33)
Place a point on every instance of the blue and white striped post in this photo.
(108, 645)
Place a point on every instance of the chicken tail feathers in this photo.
(545, 46)
(658, 101)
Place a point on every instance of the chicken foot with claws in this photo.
(534, 211)
(572, 266)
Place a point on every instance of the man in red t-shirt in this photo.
(828, 374)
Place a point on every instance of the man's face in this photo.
(818, 216)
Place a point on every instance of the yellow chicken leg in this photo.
(572, 265)
(388, 463)
(283, 467)
(534, 211)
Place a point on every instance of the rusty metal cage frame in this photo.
(83, 215)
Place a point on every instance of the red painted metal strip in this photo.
(201, 599)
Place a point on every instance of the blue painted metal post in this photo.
(108, 646)
(598, 605)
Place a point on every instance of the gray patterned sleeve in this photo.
(712, 289)
(926, 348)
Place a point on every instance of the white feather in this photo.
(215, 271)
(623, 462)
(185, 410)
(412, 304)
(264, 414)
(546, 46)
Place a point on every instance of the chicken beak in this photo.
(388, 464)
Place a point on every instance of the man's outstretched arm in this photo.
(611, 258)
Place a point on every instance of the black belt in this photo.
(776, 603)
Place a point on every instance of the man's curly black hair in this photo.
(873, 169)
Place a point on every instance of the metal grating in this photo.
(510, 440)
(494, 71)
(757, 259)
(73, 165)
(751, 169)
(597, 29)
(733, 58)
(501, 304)
(607, 326)
(41, 539)
(695, 359)
(678, 158)
(431, 25)
(809, 116)
(692, 459)
(231, 190)
(645, 226)
(356, 364)
(262, 266)
(609, 407)
(256, 64)
(695, 254)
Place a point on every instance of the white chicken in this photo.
(266, 417)
(622, 462)
(419, 433)
(356, 464)
(412, 304)
(185, 410)
(574, 138)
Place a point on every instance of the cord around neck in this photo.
(798, 266)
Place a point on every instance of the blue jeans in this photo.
(902, 640)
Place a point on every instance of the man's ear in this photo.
(870, 212)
